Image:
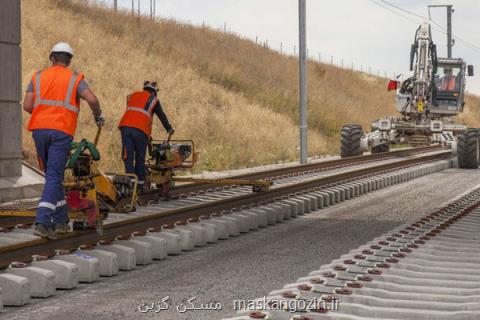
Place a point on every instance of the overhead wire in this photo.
(442, 29)
(404, 10)
(391, 10)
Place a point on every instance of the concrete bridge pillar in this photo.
(10, 89)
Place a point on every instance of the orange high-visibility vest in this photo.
(56, 105)
(448, 84)
(139, 111)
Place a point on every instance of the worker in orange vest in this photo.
(136, 128)
(53, 100)
(448, 81)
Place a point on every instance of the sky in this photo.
(363, 32)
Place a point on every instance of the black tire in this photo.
(468, 149)
(350, 141)
(384, 147)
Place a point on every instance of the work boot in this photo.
(44, 232)
(61, 228)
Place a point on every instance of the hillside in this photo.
(237, 100)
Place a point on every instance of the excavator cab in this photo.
(449, 87)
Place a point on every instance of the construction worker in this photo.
(136, 128)
(53, 99)
(448, 81)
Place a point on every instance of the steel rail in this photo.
(25, 250)
(316, 166)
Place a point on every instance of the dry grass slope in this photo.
(237, 100)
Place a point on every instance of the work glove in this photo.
(100, 120)
(171, 131)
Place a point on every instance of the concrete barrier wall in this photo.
(10, 89)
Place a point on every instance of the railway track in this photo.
(206, 217)
(311, 168)
(279, 176)
(424, 270)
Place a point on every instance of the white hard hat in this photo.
(62, 47)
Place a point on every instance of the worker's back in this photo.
(56, 103)
(140, 107)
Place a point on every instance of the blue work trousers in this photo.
(52, 148)
(134, 149)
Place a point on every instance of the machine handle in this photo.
(97, 137)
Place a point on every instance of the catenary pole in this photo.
(303, 80)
